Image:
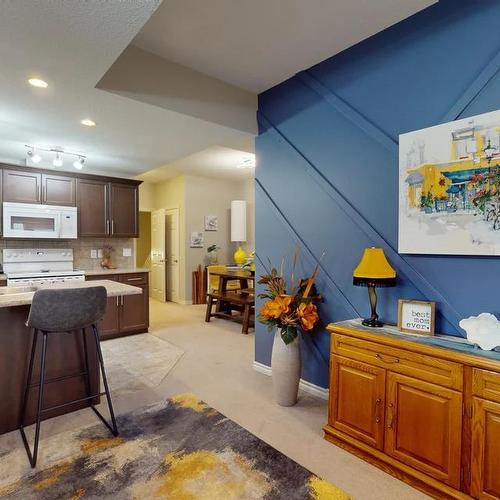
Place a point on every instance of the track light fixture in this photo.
(34, 157)
(58, 161)
(78, 164)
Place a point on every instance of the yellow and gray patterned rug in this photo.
(180, 449)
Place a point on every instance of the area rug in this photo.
(180, 449)
(139, 361)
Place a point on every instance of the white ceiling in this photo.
(216, 161)
(256, 44)
(73, 44)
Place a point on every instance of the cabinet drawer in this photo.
(100, 277)
(435, 370)
(134, 278)
(486, 384)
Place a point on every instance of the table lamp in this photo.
(373, 271)
(239, 229)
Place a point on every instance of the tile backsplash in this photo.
(81, 250)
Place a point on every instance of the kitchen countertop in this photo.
(118, 270)
(21, 296)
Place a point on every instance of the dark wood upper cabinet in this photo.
(22, 187)
(92, 202)
(107, 206)
(58, 190)
(124, 210)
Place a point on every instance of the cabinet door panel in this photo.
(357, 402)
(424, 427)
(124, 210)
(92, 201)
(58, 190)
(134, 313)
(485, 460)
(21, 187)
(110, 324)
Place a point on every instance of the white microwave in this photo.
(24, 220)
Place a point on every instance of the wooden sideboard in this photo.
(424, 409)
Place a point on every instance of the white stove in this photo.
(39, 266)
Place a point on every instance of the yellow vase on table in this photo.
(240, 256)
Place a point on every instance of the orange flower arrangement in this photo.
(289, 312)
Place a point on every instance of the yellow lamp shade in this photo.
(374, 268)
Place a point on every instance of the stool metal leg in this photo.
(30, 375)
(33, 456)
(113, 429)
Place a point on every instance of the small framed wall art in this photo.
(196, 240)
(211, 223)
(416, 316)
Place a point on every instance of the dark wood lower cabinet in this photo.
(65, 366)
(128, 314)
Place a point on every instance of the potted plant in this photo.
(212, 254)
(289, 308)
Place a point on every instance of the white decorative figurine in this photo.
(483, 330)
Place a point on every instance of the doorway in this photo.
(158, 269)
(172, 253)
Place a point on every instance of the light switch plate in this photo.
(99, 253)
(127, 252)
(93, 254)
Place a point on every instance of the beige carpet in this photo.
(137, 362)
(217, 366)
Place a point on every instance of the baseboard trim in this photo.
(310, 388)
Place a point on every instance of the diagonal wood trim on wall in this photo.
(416, 278)
(474, 89)
(298, 239)
(349, 112)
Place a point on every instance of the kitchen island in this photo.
(65, 361)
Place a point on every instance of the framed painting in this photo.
(449, 188)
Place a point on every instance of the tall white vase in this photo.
(286, 370)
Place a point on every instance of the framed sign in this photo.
(211, 223)
(416, 316)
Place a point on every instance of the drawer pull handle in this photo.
(134, 279)
(393, 360)
(377, 406)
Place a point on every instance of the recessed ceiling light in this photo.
(37, 82)
(88, 122)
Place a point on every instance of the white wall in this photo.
(197, 196)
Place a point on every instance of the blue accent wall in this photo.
(327, 175)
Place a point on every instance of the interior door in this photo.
(158, 278)
(424, 427)
(485, 470)
(357, 402)
(172, 254)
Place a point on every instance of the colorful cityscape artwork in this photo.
(449, 188)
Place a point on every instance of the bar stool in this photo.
(66, 311)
